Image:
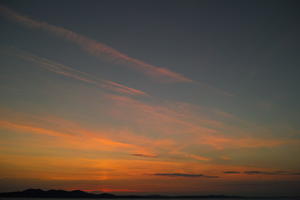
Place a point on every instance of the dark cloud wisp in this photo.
(144, 155)
(231, 172)
(184, 175)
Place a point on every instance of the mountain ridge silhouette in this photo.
(39, 193)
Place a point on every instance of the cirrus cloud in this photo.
(95, 48)
(70, 72)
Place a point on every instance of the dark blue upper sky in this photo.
(241, 59)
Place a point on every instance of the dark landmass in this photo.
(38, 193)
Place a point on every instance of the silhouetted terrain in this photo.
(38, 193)
(55, 194)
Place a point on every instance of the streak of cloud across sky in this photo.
(150, 97)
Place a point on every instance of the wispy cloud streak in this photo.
(271, 173)
(73, 139)
(231, 172)
(258, 172)
(95, 48)
(144, 155)
(74, 74)
(184, 175)
(197, 129)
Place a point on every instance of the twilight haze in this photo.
(150, 97)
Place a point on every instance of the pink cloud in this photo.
(75, 74)
(96, 48)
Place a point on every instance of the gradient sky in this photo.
(143, 97)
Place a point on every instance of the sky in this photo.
(150, 97)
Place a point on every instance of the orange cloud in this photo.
(27, 128)
(221, 142)
(193, 156)
(95, 48)
(182, 121)
(73, 136)
(79, 139)
(112, 169)
(162, 115)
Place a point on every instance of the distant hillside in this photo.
(38, 193)
(55, 194)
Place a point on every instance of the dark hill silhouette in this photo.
(38, 193)
(55, 194)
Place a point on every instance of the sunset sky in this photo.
(150, 97)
